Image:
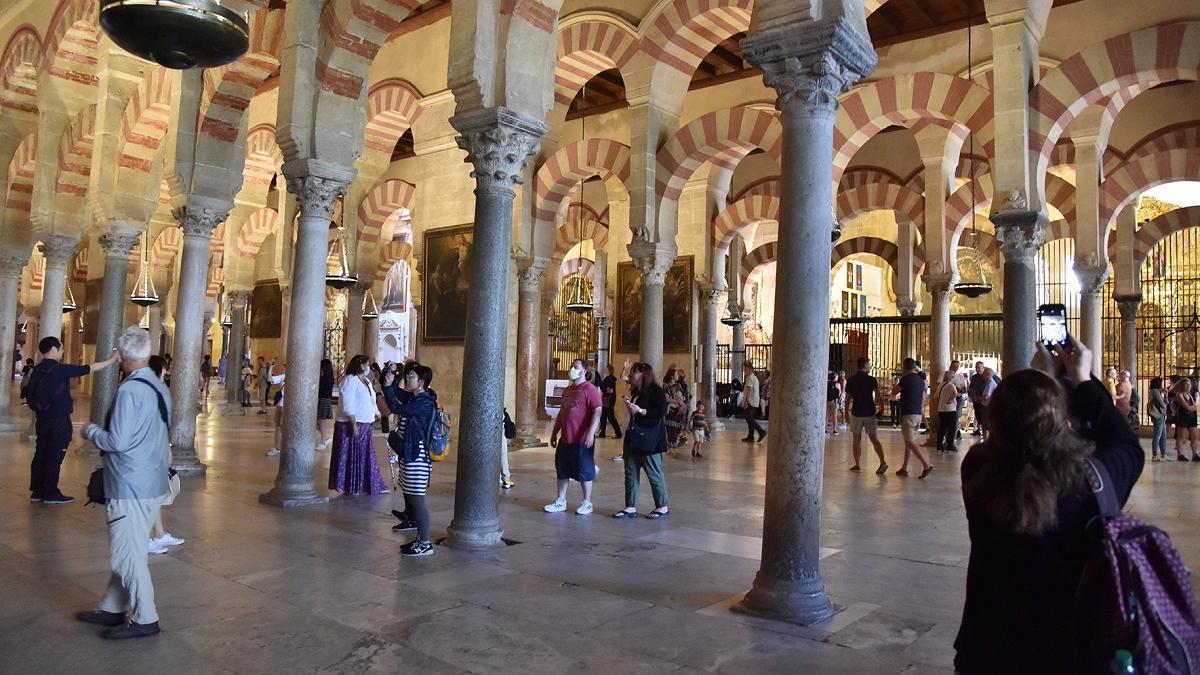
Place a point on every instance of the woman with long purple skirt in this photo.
(353, 469)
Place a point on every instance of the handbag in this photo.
(645, 440)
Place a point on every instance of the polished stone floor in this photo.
(258, 589)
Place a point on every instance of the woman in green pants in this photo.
(644, 451)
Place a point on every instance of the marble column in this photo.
(1128, 306)
(305, 337)
(652, 260)
(237, 346)
(529, 333)
(497, 141)
(1020, 233)
(156, 328)
(354, 320)
(371, 339)
(198, 223)
(118, 244)
(1091, 307)
(11, 265)
(546, 353)
(603, 339)
(809, 64)
(907, 309)
(58, 250)
(285, 314)
(940, 287)
(737, 349)
(712, 295)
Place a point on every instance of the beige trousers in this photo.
(130, 587)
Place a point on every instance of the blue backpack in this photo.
(437, 436)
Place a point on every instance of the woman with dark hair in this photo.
(1185, 419)
(645, 441)
(352, 467)
(414, 405)
(325, 404)
(1156, 408)
(676, 410)
(1028, 502)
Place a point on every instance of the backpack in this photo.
(510, 429)
(35, 398)
(437, 436)
(1135, 595)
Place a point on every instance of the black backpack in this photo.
(95, 486)
(38, 400)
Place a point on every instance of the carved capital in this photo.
(530, 275)
(1091, 276)
(238, 300)
(809, 64)
(497, 141)
(939, 284)
(118, 244)
(602, 323)
(1128, 306)
(11, 265)
(202, 221)
(906, 307)
(711, 293)
(316, 195)
(58, 249)
(1020, 234)
(652, 260)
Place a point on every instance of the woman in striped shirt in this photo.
(414, 407)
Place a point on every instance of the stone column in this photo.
(652, 260)
(546, 352)
(529, 333)
(11, 265)
(118, 244)
(371, 339)
(237, 346)
(198, 223)
(497, 141)
(907, 309)
(712, 295)
(305, 336)
(1128, 305)
(156, 328)
(603, 339)
(737, 348)
(354, 320)
(809, 64)
(58, 250)
(940, 287)
(285, 314)
(1091, 325)
(1020, 233)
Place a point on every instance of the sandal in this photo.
(622, 515)
(928, 470)
(658, 515)
(902, 472)
(856, 468)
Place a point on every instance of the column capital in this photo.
(198, 220)
(497, 141)
(1019, 231)
(11, 265)
(939, 283)
(809, 63)
(238, 299)
(1091, 274)
(652, 260)
(362, 286)
(530, 273)
(317, 186)
(711, 292)
(1128, 305)
(119, 244)
(906, 307)
(58, 249)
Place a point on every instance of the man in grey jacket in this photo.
(133, 445)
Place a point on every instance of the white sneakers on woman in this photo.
(160, 545)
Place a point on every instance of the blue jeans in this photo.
(1158, 443)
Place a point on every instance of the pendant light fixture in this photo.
(144, 294)
(976, 284)
(578, 288)
(370, 310)
(227, 308)
(69, 304)
(338, 274)
(177, 34)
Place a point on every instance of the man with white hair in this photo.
(133, 445)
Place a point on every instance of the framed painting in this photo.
(266, 311)
(677, 307)
(446, 283)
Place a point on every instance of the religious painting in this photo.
(91, 310)
(850, 276)
(677, 307)
(266, 315)
(446, 283)
(858, 274)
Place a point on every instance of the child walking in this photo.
(699, 428)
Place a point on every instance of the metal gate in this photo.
(572, 336)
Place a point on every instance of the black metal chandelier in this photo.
(177, 34)
(977, 285)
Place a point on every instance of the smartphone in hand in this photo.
(1052, 321)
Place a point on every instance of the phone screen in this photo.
(1053, 320)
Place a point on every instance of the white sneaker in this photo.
(585, 507)
(558, 506)
(169, 539)
(618, 458)
(157, 547)
(273, 452)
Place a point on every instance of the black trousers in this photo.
(53, 437)
(752, 425)
(947, 430)
(608, 414)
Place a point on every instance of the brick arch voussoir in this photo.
(741, 214)
(389, 254)
(18, 70)
(907, 204)
(1134, 177)
(393, 106)
(588, 44)
(728, 135)
(572, 163)
(379, 204)
(678, 34)
(255, 230)
(1155, 231)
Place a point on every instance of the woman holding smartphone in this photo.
(1185, 420)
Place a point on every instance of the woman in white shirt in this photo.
(947, 406)
(353, 469)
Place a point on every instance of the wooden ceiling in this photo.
(907, 20)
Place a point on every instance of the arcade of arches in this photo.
(825, 171)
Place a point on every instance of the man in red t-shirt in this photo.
(574, 438)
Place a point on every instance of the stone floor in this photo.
(322, 589)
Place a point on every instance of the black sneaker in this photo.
(101, 617)
(404, 526)
(61, 499)
(35, 498)
(416, 548)
(130, 630)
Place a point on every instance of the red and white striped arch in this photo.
(581, 224)
(968, 166)
(590, 43)
(1061, 195)
(857, 176)
(758, 256)
(723, 137)
(883, 249)
(1141, 174)
(1185, 135)
(768, 186)
(389, 254)
(145, 124)
(742, 213)
(237, 83)
(216, 278)
(260, 225)
(166, 246)
(75, 162)
(958, 211)
(393, 106)
(572, 163)
(379, 207)
(263, 159)
(680, 33)
(352, 31)
(575, 265)
(19, 191)
(18, 70)
(80, 265)
(1165, 225)
(907, 204)
(37, 272)
(983, 243)
(905, 100)
(69, 50)
(1163, 53)
(1059, 229)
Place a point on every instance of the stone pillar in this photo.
(285, 314)
(305, 336)
(371, 339)
(118, 244)
(529, 333)
(546, 351)
(1020, 233)
(497, 141)
(1128, 305)
(198, 224)
(712, 295)
(11, 265)
(237, 346)
(156, 328)
(809, 64)
(940, 287)
(653, 261)
(354, 320)
(603, 339)
(1091, 307)
(737, 349)
(58, 250)
(907, 309)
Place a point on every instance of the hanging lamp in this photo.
(144, 318)
(144, 294)
(69, 304)
(177, 34)
(227, 312)
(578, 288)
(370, 310)
(976, 285)
(339, 274)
